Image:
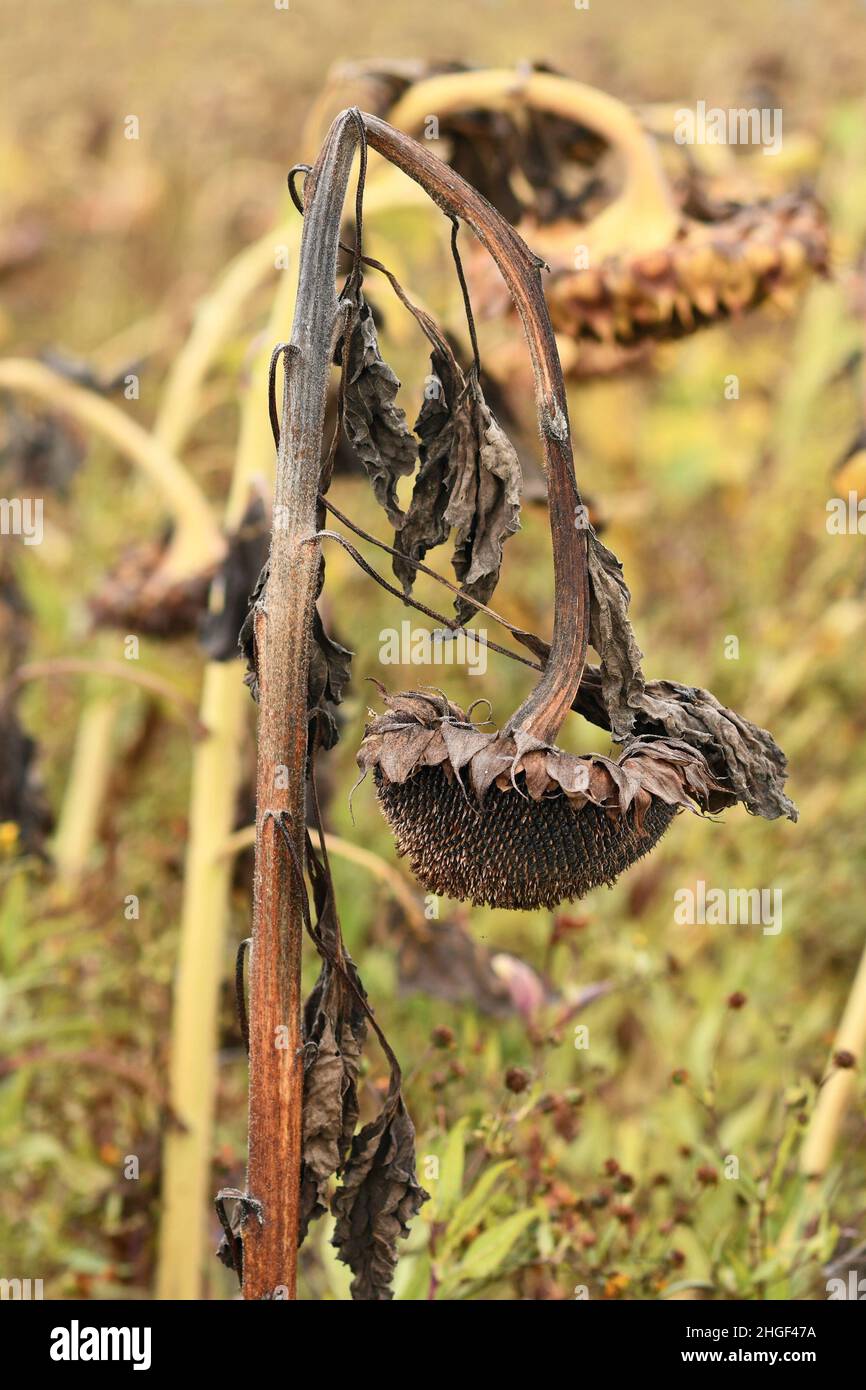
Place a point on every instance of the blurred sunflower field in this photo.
(609, 1102)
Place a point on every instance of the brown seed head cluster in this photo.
(709, 271)
(492, 818)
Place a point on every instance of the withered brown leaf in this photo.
(378, 1197)
(330, 663)
(335, 1028)
(469, 480)
(375, 426)
(741, 756)
(424, 525)
(484, 506)
(611, 634)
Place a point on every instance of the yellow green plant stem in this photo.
(84, 798)
(644, 217)
(354, 854)
(216, 318)
(196, 541)
(186, 1160)
(836, 1093)
(116, 670)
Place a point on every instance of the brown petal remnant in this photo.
(522, 829)
(615, 695)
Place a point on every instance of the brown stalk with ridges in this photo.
(283, 638)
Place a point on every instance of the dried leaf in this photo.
(469, 479)
(611, 634)
(335, 1027)
(330, 663)
(378, 1198)
(379, 1194)
(424, 525)
(375, 426)
(233, 583)
(741, 756)
(484, 505)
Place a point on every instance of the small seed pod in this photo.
(492, 819)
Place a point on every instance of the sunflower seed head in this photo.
(508, 821)
(712, 270)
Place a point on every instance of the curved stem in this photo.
(90, 767)
(542, 714)
(836, 1092)
(116, 670)
(196, 542)
(502, 89)
(214, 321)
(245, 838)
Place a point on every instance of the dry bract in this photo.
(487, 818)
(710, 271)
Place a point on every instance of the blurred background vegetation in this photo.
(561, 1167)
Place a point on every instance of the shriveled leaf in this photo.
(424, 525)
(375, 426)
(335, 1029)
(611, 634)
(235, 580)
(330, 663)
(484, 505)
(741, 756)
(378, 1198)
(333, 1040)
(469, 480)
